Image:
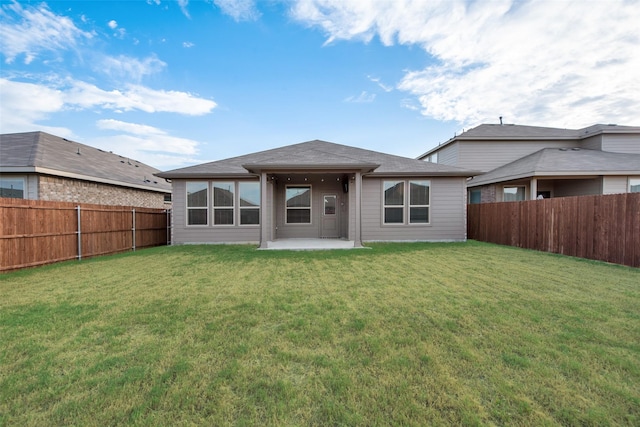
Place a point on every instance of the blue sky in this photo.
(175, 83)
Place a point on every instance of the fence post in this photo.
(168, 211)
(79, 232)
(133, 211)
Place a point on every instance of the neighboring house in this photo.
(40, 166)
(528, 162)
(318, 189)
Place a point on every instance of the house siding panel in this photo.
(447, 213)
(615, 184)
(449, 155)
(488, 155)
(592, 143)
(621, 143)
(183, 234)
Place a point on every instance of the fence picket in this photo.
(602, 227)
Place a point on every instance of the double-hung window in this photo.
(634, 185)
(298, 204)
(393, 202)
(223, 202)
(197, 203)
(249, 193)
(411, 209)
(419, 202)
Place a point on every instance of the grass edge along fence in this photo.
(38, 232)
(599, 227)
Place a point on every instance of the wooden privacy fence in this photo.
(605, 227)
(35, 232)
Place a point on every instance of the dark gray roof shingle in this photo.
(563, 161)
(42, 152)
(317, 155)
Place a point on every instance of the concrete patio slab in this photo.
(309, 244)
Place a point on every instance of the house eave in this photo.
(206, 175)
(292, 168)
(71, 175)
(552, 174)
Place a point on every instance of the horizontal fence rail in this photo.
(604, 227)
(36, 232)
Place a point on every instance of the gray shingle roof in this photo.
(317, 155)
(497, 132)
(40, 152)
(563, 161)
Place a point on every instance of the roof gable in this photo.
(40, 152)
(315, 155)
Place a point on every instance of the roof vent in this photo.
(78, 153)
(563, 149)
(575, 149)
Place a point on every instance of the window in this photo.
(197, 203)
(475, 196)
(393, 202)
(249, 203)
(418, 202)
(223, 202)
(513, 194)
(634, 185)
(12, 188)
(298, 205)
(330, 205)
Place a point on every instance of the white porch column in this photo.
(264, 211)
(358, 209)
(533, 189)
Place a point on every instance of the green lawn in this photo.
(400, 334)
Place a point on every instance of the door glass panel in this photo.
(329, 205)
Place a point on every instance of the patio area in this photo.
(309, 244)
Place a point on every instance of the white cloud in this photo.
(383, 86)
(136, 97)
(183, 6)
(240, 10)
(364, 98)
(130, 68)
(33, 30)
(554, 63)
(112, 24)
(187, 45)
(147, 144)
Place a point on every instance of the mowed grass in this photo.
(399, 334)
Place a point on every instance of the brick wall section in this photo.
(77, 191)
(488, 194)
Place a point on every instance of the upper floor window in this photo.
(12, 187)
(475, 196)
(634, 185)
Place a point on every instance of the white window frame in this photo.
(406, 203)
(240, 207)
(231, 208)
(633, 181)
(401, 206)
(287, 208)
(472, 190)
(524, 187)
(428, 205)
(188, 208)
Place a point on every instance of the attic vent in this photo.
(575, 149)
(563, 149)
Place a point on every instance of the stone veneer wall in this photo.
(78, 191)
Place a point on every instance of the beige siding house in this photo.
(40, 166)
(318, 190)
(529, 162)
